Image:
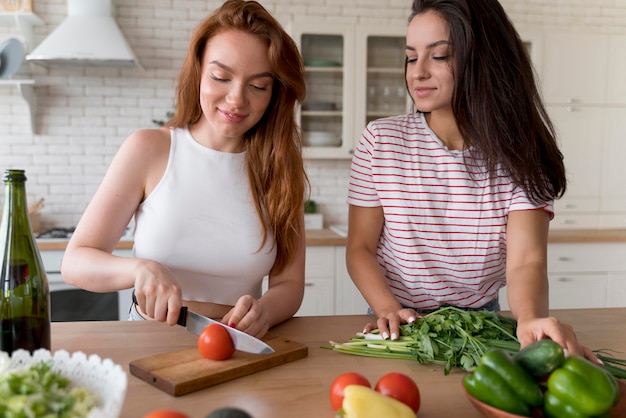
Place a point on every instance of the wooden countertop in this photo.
(320, 237)
(300, 388)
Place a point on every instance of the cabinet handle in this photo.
(567, 221)
(565, 258)
(564, 279)
(570, 100)
(307, 284)
(569, 206)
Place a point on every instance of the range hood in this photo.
(88, 37)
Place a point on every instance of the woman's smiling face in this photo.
(235, 89)
(429, 73)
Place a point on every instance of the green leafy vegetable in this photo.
(39, 391)
(451, 337)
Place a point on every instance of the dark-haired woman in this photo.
(452, 202)
(217, 195)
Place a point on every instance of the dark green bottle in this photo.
(24, 292)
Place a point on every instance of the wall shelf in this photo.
(24, 21)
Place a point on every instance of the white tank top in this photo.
(201, 222)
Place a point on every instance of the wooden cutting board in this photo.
(184, 371)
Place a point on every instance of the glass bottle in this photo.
(24, 292)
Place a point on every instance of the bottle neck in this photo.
(15, 218)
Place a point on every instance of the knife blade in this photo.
(196, 323)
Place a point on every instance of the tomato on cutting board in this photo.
(338, 385)
(215, 343)
(400, 387)
(166, 413)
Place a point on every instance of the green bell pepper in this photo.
(580, 389)
(502, 383)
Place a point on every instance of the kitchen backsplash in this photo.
(82, 115)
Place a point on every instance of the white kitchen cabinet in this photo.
(616, 290)
(577, 290)
(585, 91)
(348, 299)
(354, 74)
(319, 293)
(585, 275)
(616, 68)
(613, 191)
(574, 68)
(580, 134)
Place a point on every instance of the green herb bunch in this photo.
(451, 337)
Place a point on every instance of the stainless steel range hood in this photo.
(88, 37)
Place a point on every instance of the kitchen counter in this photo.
(320, 237)
(300, 388)
(59, 244)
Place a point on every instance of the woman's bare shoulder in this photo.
(147, 142)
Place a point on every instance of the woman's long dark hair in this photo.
(496, 102)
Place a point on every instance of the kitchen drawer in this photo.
(586, 257)
(613, 221)
(320, 262)
(563, 220)
(576, 205)
(573, 290)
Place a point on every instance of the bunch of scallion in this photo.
(451, 337)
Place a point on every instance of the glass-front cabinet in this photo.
(354, 74)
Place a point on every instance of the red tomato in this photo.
(215, 343)
(400, 387)
(165, 413)
(343, 380)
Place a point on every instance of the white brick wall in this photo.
(84, 114)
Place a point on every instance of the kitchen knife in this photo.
(195, 324)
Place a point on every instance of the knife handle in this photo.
(182, 317)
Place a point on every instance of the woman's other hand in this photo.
(531, 330)
(248, 315)
(388, 324)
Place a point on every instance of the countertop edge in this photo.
(327, 237)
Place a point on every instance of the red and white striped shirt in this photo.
(444, 235)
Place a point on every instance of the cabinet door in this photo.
(616, 290)
(319, 297)
(326, 116)
(354, 74)
(349, 300)
(575, 290)
(613, 190)
(572, 291)
(319, 293)
(615, 80)
(380, 87)
(580, 132)
(575, 68)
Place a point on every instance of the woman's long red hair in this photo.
(274, 145)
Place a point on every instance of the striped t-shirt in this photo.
(444, 235)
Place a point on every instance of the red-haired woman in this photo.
(217, 194)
